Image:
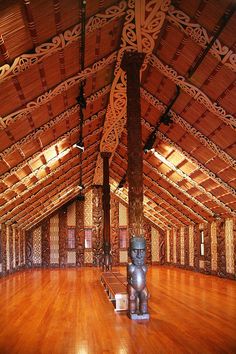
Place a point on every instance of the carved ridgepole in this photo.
(107, 263)
(131, 63)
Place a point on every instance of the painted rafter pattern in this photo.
(61, 41)
(193, 183)
(189, 128)
(193, 91)
(99, 115)
(199, 34)
(139, 36)
(192, 159)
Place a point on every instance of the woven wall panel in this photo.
(88, 214)
(71, 217)
(229, 246)
(123, 220)
(123, 256)
(71, 257)
(54, 239)
(37, 253)
(88, 257)
(201, 264)
(155, 245)
(191, 246)
(214, 246)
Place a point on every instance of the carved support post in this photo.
(106, 212)
(97, 223)
(46, 243)
(62, 237)
(28, 249)
(17, 236)
(221, 260)
(79, 241)
(131, 63)
(3, 248)
(207, 251)
(115, 230)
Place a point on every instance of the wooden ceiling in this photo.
(189, 176)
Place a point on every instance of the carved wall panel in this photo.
(229, 246)
(13, 248)
(186, 247)
(28, 249)
(7, 249)
(171, 247)
(196, 247)
(174, 245)
(214, 246)
(148, 237)
(22, 248)
(162, 248)
(221, 261)
(79, 232)
(97, 235)
(168, 246)
(182, 248)
(10, 247)
(191, 246)
(207, 248)
(17, 248)
(3, 241)
(62, 237)
(46, 243)
(37, 244)
(54, 239)
(234, 236)
(178, 246)
(115, 230)
(155, 245)
(71, 217)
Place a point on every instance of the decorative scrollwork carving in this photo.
(199, 34)
(193, 91)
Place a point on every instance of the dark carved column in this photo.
(207, 248)
(221, 259)
(148, 236)
(79, 231)
(196, 239)
(97, 223)
(28, 249)
(115, 230)
(162, 247)
(107, 261)
(131, 63)
(178, 262)
(234, 235)
(62, 237)
(171, 247)
(3, 248)
(186, 247)
(10, 246)
(46, 243)
(17, 248)
(22, 248)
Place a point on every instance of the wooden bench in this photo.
(115, 285)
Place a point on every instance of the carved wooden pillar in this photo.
(171, 246)
(28, 249)
(186, 247)
(207, 248)
(221, 260)
(148, 236)
(115, 230)
(106, 199)
(234, 236)
(17, 236)
(62, 237)
(178, 251)
(79, 241)
(3, 248)
(46, 243)
(196, 247)
(162, 247)
(10, 230)
(97, 223)
(131, 63)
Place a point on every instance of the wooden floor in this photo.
(67, 312)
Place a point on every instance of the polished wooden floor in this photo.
(67, 312)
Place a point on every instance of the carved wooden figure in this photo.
(136, 274)
(106, 258)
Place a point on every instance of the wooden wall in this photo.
(46, 245)
(183, 248)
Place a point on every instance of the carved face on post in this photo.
(137, 250)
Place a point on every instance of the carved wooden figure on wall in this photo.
(107, 258)
(136, 276)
